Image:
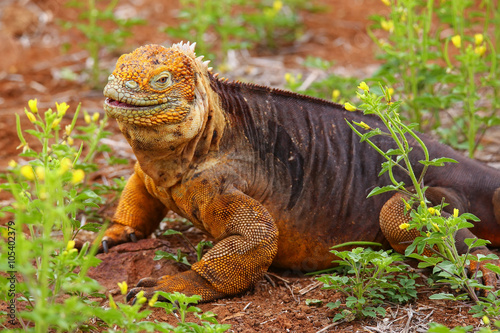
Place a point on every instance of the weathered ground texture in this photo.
(31, 67)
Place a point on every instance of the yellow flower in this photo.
(87, 118)
(364, 125)
(335, 94)
(407, 206)
(30, 115)
(66, 164)
(77, 176)
(32, 105)
(480, 50)
(428, 234)
(386, 2)
(153, 300)
(71, 245)
(388, 95)
(478, 39)
(364, 86)
(387, 25)
(140, 298)
(277, 5)
(61, 108)
(486, 320)
(95, 116)
(112, 303)
(56, 123)
(123, 287)
(70, 141)
(455, 212)
(349, 107)
(12, 163)
(27, 172)
(436, 226)
(457, 41)
(404, 226)
(40, 172)
(431, 210)
(67, 129)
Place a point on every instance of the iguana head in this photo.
(151, 86)
(165, 107)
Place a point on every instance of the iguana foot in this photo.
(189, 283)
(117, 234)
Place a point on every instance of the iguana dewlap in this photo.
(275, 177)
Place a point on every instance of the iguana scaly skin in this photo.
(275, 177)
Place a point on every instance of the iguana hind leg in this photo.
(392, 216)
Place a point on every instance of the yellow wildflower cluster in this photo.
(479, 45)
(387, 25)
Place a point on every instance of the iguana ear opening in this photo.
(496, 204)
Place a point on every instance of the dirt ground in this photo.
(33, 65)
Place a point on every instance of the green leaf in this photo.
(476, 242)
(172, 232)
(492, 267)
(442, 296)
(95, 227)
(439, 161)
(379, 190)
(471, 217)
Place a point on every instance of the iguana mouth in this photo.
(124, 105)
(153, 114)
(118, 104)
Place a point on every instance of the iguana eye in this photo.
(161, 81)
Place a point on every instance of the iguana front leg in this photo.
(392, 216)
(137, 216)
(246, 236)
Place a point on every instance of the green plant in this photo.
(92, 21)
(180, 256)
(200, 18)
(370, 278)
(439, 328)
(274, 21)
(180, 305)
(210, 23)
(437, 233)
(439, 83)
(49, 191)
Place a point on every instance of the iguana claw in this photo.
(118, 234)
(105, 247)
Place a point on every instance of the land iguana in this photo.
(275, 177)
